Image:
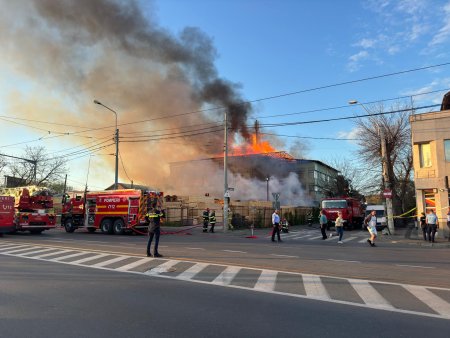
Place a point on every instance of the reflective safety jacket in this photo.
(155, 216)
(212, 219)
(205, 215)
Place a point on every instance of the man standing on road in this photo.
(371, 223)
(432, 225)
(323, 221)
(212, 220)
(205, 220)
(154, 230)
(423, 225)
(339, 224)
(276, 226)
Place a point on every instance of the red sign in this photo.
(387, 193)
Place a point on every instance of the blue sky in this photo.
(268, 47)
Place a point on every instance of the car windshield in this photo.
(328, 204)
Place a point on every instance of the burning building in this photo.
(256, 176)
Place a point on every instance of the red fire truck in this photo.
(33, 211)
(113, 211)
(6, 214)
(351, 208)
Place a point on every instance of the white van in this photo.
(380, 212)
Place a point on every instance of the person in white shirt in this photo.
(371, 223)
(276, 226)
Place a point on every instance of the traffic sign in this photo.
(227, 194)
(387, 193)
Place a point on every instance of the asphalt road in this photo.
(216, 285)
(389, 262)
(46, 299)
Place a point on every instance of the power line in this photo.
(314, 138)
(346, 117)
(123, 166)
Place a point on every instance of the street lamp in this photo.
(116, 178)
(267, 194)
(389, 211)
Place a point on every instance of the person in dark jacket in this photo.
(154, 218)
(423, 226)
(212, 220)
(205, 220)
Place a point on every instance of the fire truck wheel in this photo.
(68, 226)
(119, 227)
(106, 226)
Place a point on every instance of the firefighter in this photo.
(154, 218)
(212, 220)
(284, 225)
(205, 220)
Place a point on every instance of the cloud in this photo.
(444, 33)
(354, 60)
(366, 43)
(350, 134)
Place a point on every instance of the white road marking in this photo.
(314, 287)
(348, 239)
(9, 247)
(196, 248)
(304, 236)
(286, 256)
(343, 260)
(192, 271)
(315, 237)
(369, 295)
(165, 267)
(227, 275)
(134, 264)
(434, 302)
(21, 249)
(37, 251)
(68, 256)
(109, 261)
(266, 281)
(234, 251)
(52, 253)
(87, 259)
(416, 266)
(363, 240)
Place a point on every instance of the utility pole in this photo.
(226, 194)
(389, 211)
(116, 139)
(386, 186)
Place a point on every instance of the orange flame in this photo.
(255, 147)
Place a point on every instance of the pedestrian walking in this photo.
(205, 220)
(371, 224)
(276, 226)
(323, 221)
(423, 225)
(339, 224)
(432, 225)
(154, 218)
(212, 221)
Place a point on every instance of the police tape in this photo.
(406, 213)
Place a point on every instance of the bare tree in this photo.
(398, 152)
(41, 169)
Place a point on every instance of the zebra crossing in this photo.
(314, 234)
(412, 299)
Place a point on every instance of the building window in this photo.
(425, 155)
(429, 200)
(447, 150)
